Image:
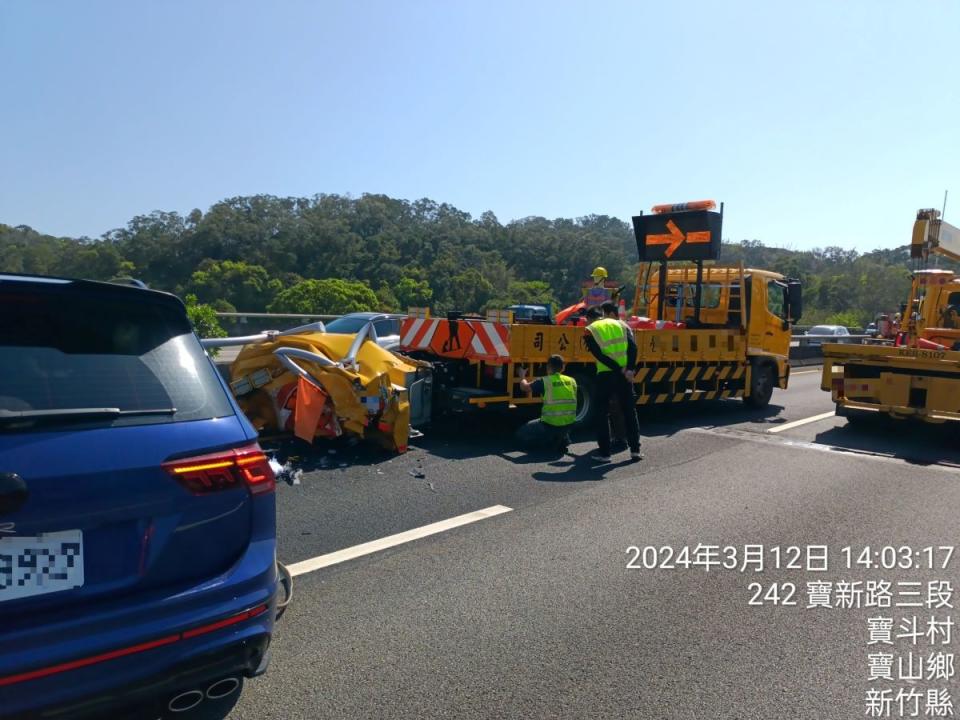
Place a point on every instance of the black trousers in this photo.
(538, 436)
(614, 384)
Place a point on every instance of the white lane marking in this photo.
(798, 423)
(334, 558)
(760, 439)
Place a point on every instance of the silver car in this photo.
(839, 332)
(386, 327)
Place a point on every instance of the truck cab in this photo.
(935, 303)
(772, 304)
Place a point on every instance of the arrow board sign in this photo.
(678, 236)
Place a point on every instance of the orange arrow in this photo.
(676, 238)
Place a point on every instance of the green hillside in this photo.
(332, 254)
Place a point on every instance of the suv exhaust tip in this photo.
(222, 688)
(185, 701)
(218, 690)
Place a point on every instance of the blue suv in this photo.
(137, 512)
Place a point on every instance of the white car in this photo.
(386, 327)
(839, 333)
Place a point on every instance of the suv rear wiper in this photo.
(69, 413)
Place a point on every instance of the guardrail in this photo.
(251, 323)
(250, 326)
(802, 351)
(804, 340)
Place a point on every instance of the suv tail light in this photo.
(245, 466)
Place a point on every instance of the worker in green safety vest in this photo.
(612, 343)
(559, 392)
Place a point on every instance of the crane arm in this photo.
(933, 235)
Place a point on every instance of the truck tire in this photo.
(586, 399)
(762, 381)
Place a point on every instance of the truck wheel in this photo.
(761, 386)
(586, 399)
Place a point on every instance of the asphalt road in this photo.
(534, 612)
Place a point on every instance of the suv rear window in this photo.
(64, 347)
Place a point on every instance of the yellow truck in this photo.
(918, 374)
(708, 332)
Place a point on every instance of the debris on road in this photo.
(418, 472)
(286, 472)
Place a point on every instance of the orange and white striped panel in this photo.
(491, 341)
(416, 333)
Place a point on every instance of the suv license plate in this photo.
(41, 564)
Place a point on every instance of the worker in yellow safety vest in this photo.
(612, 343)
(559, 413)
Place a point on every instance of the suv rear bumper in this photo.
(134, 646)
(149, 697)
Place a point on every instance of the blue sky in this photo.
(817, 123)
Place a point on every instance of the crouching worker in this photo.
(551, 432)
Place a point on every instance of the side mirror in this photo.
(794, 300)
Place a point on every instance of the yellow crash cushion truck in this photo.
(709, 333)
(918, 374)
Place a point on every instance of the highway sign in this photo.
(678, 236)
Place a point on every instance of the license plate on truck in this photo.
(40, 564)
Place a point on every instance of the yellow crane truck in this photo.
(709, 332)
(918, 374)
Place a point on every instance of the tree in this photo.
(245, 252)
(387, 299)
(471, 291)
(204, 320)
(532, 292)
(241, 284)
(325, 297)
(847, 318)
(412, 293)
